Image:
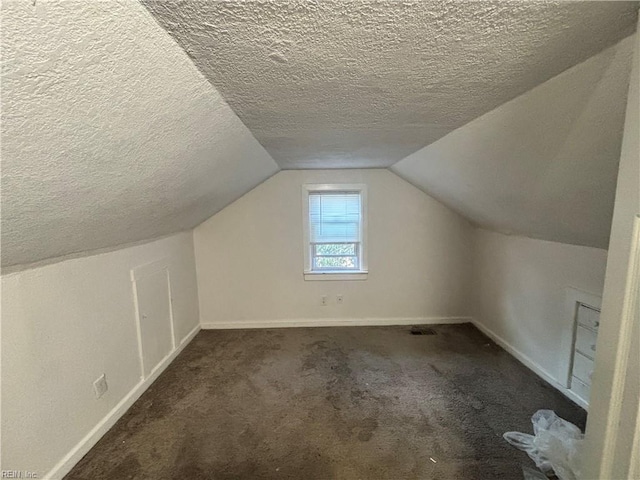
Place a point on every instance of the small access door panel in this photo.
(154, 316)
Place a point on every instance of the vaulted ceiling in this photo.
(114, 132)
(110, 135)
(365, 83)
(544, 164)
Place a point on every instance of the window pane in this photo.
(334, 217)
(339, 263)
(346, 249)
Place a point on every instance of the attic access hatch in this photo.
(152, 294)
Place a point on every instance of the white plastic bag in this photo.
(531, 474)
(554, 444)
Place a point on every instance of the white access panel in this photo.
(155, 324)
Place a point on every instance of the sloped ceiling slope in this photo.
(110, 135)
(362, 83)
(543, 165)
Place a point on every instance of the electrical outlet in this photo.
(100, 386)
(324, 301)
(339, 299)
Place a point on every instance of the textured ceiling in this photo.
(110, 135)
(543, 165)
(336, 83)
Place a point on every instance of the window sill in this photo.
(359, 275)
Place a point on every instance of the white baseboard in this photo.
(529, 363)
(65, 465)
(331, 322)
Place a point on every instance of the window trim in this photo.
(310, 274)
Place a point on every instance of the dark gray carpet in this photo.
(329, 403)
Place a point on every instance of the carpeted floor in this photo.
(329, 403)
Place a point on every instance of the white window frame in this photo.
(310, 274)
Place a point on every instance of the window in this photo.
(334, 222)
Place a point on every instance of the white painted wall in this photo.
(610, 451)
(250, 257)
(63, 325)
(519, 294)
(543, 165)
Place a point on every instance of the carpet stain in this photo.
(329, 403)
